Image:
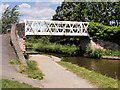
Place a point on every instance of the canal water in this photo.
(103, 66)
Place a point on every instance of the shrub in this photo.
(98, 53)
(99, 31)
(112, 53)
(28, 44)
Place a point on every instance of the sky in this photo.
(35, 10)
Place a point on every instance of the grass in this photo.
(31, 70)
(97, 79)
(14, 84)
(53, 47)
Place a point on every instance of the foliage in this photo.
(106, 13)
(10, 16)
(36, 39)
(57, 48)
(97, 79)
(88, 49)
(0, 26)
(99, 31)
(14, 84)
(112, 53)
(98, 53)
(28, 44)
(101, 12)
(32, 71)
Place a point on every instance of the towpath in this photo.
(56, 76)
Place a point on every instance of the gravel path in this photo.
(56, 76)
(8, 71)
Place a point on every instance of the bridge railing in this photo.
(61, 28)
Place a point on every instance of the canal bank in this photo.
(96, 79)
(56, 76)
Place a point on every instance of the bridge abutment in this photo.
(84, 41)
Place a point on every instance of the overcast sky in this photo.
(33, 10)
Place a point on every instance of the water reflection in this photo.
(105, 67)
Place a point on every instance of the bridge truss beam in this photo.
(57, 28)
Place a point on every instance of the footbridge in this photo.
(56, 28)
(47, 27)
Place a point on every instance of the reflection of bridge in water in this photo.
(58, 28)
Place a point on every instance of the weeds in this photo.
(31, 70)
(12, 62)
(98, 53)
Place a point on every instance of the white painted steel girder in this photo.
(58, 28)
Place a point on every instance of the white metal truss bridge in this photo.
(56, 28)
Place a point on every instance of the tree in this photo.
(102, 12)
(10, 17)
(6, 18)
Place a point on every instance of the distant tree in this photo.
(14, 15)
(6, 18)
(102, 12)
(10, 16)
(0, 26)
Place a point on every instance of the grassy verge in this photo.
(14, 84)
(94, 78)
(53, 47)
(31, 70)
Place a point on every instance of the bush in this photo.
(99, 31)
(98, 53)
(112, 53)
(28, 44)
